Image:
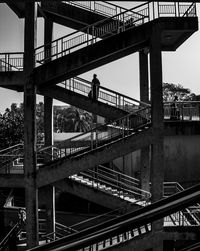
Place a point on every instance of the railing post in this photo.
(178, 9)
(57, 49)
(153, 7)
(175, 9)
(158, 9)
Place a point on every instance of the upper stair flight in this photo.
(82, 51)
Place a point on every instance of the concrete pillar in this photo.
(144, 78)
(49, 191)
(47, 201)
(30, 157)
(48, 121)
(144, 96)
(145, 168)
(157, 151)
(48, 102)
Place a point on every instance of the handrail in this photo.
(11, 148)
(93, 6)
(122, 186)
(125, 223)
(13, 231)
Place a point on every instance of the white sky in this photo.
(182, 66)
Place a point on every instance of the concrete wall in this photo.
(182, 160)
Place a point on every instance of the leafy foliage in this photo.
(171, 90)
(71, 119)
(11, 126)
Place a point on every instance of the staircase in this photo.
(118, 231)
(114, 183)
(189, 216)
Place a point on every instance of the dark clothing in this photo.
(95, 88)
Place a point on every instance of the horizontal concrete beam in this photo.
(14, 78)
(12, 180)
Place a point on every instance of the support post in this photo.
(47, 200)
(30, 156)
(144, 78)
(157, 148)
(144, 96)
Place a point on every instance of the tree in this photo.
(72, 119)
(11, 126)
(171, 90)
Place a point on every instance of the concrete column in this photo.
(157, 151)
(48, 102)
(30, 158)
(144, 96)
(49, 191)
(145, 168)
(47, 201)
(144, 78)
(48, 121)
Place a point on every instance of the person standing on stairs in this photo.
(95, 87)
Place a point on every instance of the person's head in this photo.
(175, 98)
(95, 75)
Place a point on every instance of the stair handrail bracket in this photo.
(110, 26)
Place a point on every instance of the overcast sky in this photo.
(182, 66)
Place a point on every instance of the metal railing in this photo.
(11, 235)
(101, 135)
(182, 110)
(11, 159)
(188, 217)
(103, 8)
(110, 26)
(115, 183)
(11, 61)
(91, 34)
(91, 140)
(108, 96)
(118, 230)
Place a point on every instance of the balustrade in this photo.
(11, 61)
(182, 110)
